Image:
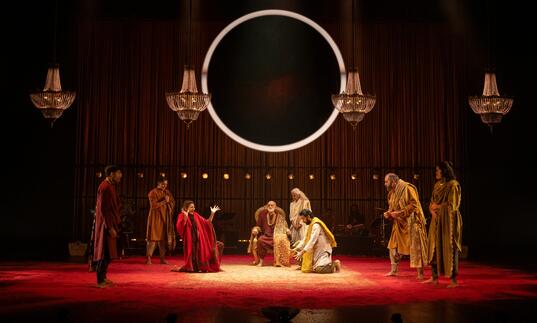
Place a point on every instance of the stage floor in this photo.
(66, 292)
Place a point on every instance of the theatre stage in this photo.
(64, 291)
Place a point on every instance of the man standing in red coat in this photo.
(107, 224)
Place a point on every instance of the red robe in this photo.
(265, 241)
(208, 255)
(107, 215)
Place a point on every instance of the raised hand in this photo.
(215, 209)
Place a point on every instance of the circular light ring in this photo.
(205, 87)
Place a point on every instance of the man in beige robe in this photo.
(160, 227)
(408, 235)
(297, 226)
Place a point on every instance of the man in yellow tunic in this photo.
(160, 227)
(445, 231)
(408, 231)
(315, 249)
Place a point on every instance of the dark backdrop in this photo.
(422, 60)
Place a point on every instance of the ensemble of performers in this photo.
(306, 238)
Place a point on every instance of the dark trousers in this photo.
(101, 266)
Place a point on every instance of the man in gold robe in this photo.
(445, 231)
(408, 235)
(160, 227)
(270, 235)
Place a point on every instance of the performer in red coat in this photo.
(201, 251)
(107, 224)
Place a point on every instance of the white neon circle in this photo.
(205, 87)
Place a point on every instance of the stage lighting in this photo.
(311, 177)
(162, 174)
(140, 175)
(333, 177)
(268, 177)
(354, 177)
(291, 176)
(226, 176)
(204, 175)
(247, 176)
(184, 175)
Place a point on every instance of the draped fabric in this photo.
(207, 254)
(160, 224)
(416, 70)
(409, 234)
(445, 232)
(106, 218)
(295, 207)
(282, 245)
(307, 258)
(274, 238)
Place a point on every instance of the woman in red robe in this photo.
(201, 251)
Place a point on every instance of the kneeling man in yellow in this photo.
(315, 249)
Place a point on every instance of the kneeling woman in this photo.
(201, 251)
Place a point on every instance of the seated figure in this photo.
(270, 236)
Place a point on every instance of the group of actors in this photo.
(440, 248)
(306, 239)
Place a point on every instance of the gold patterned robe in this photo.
(409, 235)
(278, 235)
(445, 232)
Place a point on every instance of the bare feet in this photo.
(260, 264)
(148, 261)
(163, 261)
(420, 274)
(430, 281)
(453, 284)
(337, 266)
(392, 272)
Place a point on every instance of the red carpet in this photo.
(142, 290)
